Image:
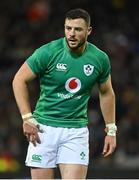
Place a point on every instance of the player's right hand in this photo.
(31, 132)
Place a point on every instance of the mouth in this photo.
(72, 41)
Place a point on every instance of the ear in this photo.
(89, 30)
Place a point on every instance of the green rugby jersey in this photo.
(66, 81)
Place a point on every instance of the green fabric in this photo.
(66, 81)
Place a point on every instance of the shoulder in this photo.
(99, 57)
(97, 51)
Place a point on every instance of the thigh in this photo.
(73, 171)
(42, 173)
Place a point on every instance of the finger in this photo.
(39, 129)
(110, 151)
(106, 154)
(38, 138)
(28, 137)
(105, 149)
(33, 140)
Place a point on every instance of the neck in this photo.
(81, 49)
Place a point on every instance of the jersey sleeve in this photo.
(106, 69)
(38, 61)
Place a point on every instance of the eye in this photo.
(68, 28)
(78, 29)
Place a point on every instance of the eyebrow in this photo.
(76, 27)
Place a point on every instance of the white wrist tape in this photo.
(33, 121)
(28, 115)
(111, 129)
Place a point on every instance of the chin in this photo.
(73, 47)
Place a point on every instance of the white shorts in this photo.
(59, 145)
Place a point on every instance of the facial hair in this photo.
(78, 46)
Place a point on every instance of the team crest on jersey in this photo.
(73, 85)
(88, 69)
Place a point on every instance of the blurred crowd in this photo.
(26, 25)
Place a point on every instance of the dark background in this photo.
(26, 25)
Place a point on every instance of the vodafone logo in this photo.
(73, 85)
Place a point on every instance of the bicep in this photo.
(106, 87)
(25, 73)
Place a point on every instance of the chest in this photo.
(69, 71)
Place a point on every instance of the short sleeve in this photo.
(38, 61)
(106, 69)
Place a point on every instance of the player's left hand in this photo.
(109, 145)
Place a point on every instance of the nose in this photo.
(72, 32)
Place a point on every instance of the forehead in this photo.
(75, 22)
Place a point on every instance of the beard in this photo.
(80, 44)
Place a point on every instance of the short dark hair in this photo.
(78, 13)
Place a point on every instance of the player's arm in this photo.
(22, 77)
(107, 104)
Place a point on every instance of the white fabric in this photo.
(59, 145)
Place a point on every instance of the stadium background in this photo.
(26, 25)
